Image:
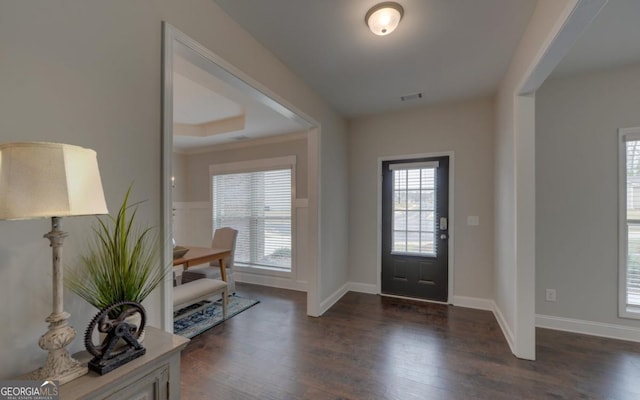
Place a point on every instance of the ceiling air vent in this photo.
(410, 97)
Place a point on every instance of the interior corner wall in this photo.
(577, 122)
(334, 212)
(514, 295)
(466, 128)
(89, 73)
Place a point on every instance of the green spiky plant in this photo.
(121, 263)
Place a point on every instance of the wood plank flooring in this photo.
(369, 347)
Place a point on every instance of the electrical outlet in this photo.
(551, 295)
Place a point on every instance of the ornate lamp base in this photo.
(60, 365)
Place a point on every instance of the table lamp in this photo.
(51, 180)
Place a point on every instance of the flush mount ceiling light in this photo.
(384, 18)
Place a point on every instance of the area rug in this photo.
(196, 323)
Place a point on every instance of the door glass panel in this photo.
(413, 179)
(413, 221)
(428, 178)
(400, 200)
(426, 243)
(413, 242)
(413, 199)
(414, 230)
(426, 220)
(426, 200)
(400, 241)
(400, 180)
(400, 220)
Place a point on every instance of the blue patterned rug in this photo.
(196, 323)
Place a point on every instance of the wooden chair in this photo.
(223, 238)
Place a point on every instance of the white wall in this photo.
(514, 194)
(89, 73)
(577, 119)
(192, 223)
(466, 128)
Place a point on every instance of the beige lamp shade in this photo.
(39, 180)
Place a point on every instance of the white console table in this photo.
(154, 376)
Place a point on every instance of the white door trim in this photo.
(451, 264)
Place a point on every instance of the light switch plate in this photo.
(473, 220)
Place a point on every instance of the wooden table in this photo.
(202, 255)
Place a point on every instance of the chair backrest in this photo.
(225, 238)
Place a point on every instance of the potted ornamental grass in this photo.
(121, 262)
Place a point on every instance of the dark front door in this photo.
(415, 213)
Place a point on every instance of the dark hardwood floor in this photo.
(368, 347)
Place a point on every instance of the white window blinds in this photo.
(414, 208)
(632, 221)
(258, 205)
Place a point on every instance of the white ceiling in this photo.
(446, 49)
(194, 104)
(612, 40)
(199, 97)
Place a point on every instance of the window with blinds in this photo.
(630, 223)
(414, 205)
(258, 205)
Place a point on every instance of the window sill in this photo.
(263, 271)
(630, 312)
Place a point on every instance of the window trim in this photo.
(263, 164)
(624, 311)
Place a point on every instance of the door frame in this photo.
(450, 266)
(232, 75)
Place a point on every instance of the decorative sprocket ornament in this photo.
(119, 342)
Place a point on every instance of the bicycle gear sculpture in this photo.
(120, 345)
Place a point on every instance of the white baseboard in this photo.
(610, 331)
(362, 287)
(487, 305)
(506, 331)
(269, 280)
(474, 302)
(333, 298)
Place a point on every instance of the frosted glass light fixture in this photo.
(384, 18)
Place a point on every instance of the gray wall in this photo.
(577, 119)
(197, 165)
(89, 73)
(180, 188)
(334, 213)
(467, 128)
